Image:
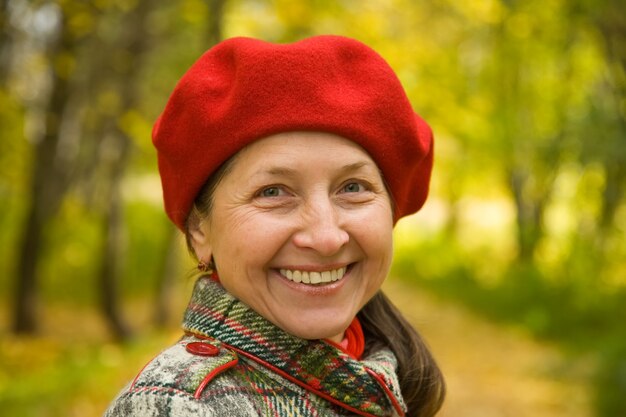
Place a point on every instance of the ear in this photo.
(200, 242)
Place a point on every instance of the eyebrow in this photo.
(279, 171)
(355, 166)
(290, 172)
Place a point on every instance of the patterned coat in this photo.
(232, 362)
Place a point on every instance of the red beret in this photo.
(245, 89)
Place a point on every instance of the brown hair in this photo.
(203, 203)
(421, 380)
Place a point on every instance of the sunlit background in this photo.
(514, 271)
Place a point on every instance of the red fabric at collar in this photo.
(353, 342)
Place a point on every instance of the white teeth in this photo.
(333, 275)
(316, 277)
(312, 277)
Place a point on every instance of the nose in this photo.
(321, 229)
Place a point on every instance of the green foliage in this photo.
(70, 377)
(527, 103)
(571, 306)
(148, 230)
(71, 262)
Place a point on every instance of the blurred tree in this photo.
(215, 21)
(95, 85)
(520, 83)
(610, 17)
(535, 79)
(52, 171)
(130, 49)
(7, 103)
(5, 41)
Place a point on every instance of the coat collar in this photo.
(369, 387)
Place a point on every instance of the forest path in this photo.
(491, 370)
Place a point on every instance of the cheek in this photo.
(375, 230)
(377, 241)
(249, 240)
(375, 237)
(381, 250)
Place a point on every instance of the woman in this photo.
(287, 166)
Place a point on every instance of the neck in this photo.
(338, 338)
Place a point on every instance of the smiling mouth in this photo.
(314, 277)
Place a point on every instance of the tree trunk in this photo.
(528, 217)
(26, 294)
(612, 25)
(215, 20)
(114, 244)
(135, 41)
(49, 184)
(6, 42)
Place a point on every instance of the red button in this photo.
(202, 349)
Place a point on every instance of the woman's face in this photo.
(300, 231)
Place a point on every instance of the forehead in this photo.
(290, 150)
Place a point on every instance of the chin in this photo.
(317, 332)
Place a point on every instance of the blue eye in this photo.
(353, 187)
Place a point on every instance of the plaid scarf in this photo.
(368, 387)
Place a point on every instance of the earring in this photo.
(206, 267)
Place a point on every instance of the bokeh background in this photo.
(515, 270)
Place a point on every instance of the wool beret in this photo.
(244, 89)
